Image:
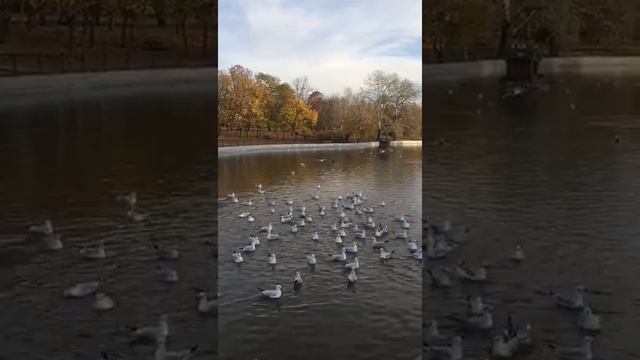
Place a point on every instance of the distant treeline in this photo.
(262, 101)
(125, 15)
(472, 29)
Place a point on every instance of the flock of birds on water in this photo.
(440, 243)
(45, 237)
(350, 233)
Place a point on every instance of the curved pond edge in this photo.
(255, 149)
(34, 89)
(584, 65)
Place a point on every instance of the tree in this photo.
(301, 87)
(389, 95)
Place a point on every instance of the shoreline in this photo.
(227, 151)
(33, 89)
(580, 65)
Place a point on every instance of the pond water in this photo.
(378, 317)
(546, 172)
(67, 162)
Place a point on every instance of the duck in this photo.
(449, 352)
(297, 279)
(206, 305)
(315, 236)
(271, 259)
(311, 259)
(518, 254)
(95, 253)
(237, 257)
(588, 321)
(339, 257)
(354, 265)
(351, 248)
(385, 255)
(82, 289)
(352, 277)
(168, 275)
(160, 331)
(272, 294)
(582, 352)
(161, 352)
(103, 302)
(166, 253)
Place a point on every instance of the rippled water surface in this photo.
(67, 162)
(379, 318)
(543, 171)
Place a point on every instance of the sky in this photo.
(336, 43)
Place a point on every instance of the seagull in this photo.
(339, 257)
(354, 265)
(439, 278)
(574, 302)
(205, 305)
(351, 248)
(582, 352)
(271, 203)
(237, 257)
(342, 233)
(254, 240)
(338, 239)
(249, 248)
(169, 275)
(289, 202)
(131, 199)
(406, 225)
(380, 232)
(160, 331)
(273, 294)
(450, 352)
(272, 211)
(251, 219)
(95, 253)
(249, 203)
(361, 234)
(244, 214)
(271, 236)
(475, 305)
(378, 244)
(483, 322)
(503, 346)
(135, 216)
(267, 228)
(518, 254)
(418, 254)
(311, 259)
(315, 236)
(385, 255)
(161, 352)
(103, 302)
(352, 277)
(82, 289)
(166, 253)
(294, 228)
(588, 321)
(297, 280)
(44, 229)
(413, 247)
(52, 242)
(315, 196)
(433, 336)
(402, 235)
(271, 259)
(382, 203)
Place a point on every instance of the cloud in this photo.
(335, 43)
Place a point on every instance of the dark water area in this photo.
(379, 317)
(547, 172)
(67, 161)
